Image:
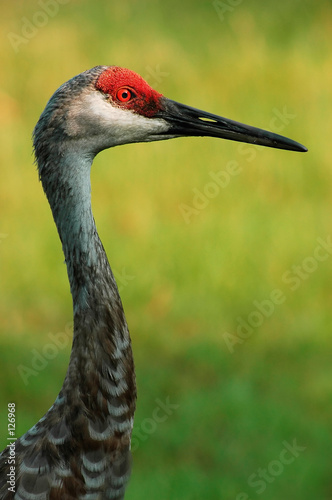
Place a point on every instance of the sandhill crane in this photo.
(80, 449)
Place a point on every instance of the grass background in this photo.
(187, 284)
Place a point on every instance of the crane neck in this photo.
(68, 188)
(66, 182)
(101, 361)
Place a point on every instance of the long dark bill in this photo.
(188, 121)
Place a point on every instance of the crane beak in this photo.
(187, 121)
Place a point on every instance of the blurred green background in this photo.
(189, 285)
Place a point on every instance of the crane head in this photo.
(108, 106)
(139, 113)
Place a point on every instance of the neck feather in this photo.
(68, 189)
(101, 336)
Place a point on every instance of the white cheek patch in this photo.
(93, 116)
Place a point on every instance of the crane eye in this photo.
(125, 94)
